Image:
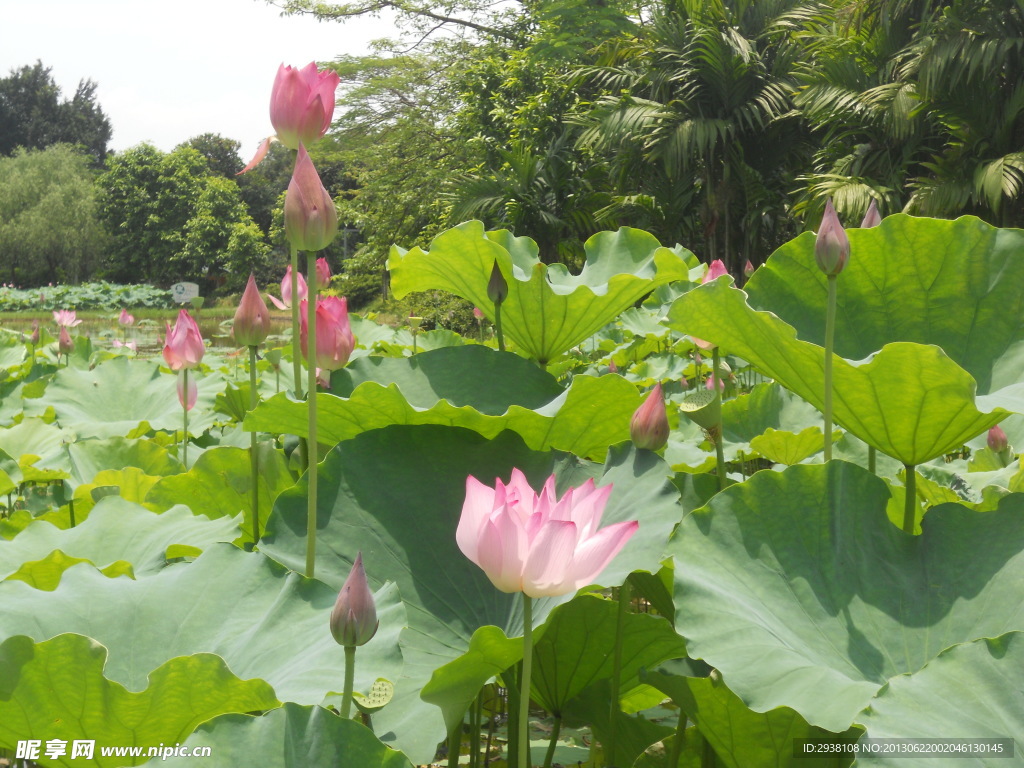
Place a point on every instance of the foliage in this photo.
(99, 295)
(33, 116)
(49, 225)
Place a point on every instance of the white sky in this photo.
(168, 70)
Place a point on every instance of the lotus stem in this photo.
(350, 676)
(311, 443)
(454, 745)
(254, 461)
(677, 742)
(719, 445)
(872, 454)
(524, 686)
(550, 754)
(475, 715)
(620, 621)
(830, 333)
(71, 509)
(184, 411)
(497, 326)
(296, 345)
(910, 505)
(512, 689)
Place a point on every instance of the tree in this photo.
(221, 154)
(33, 116)
(49, 227)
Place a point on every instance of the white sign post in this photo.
(183, 292)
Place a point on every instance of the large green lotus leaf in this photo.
(739, 736)
(472, 387)
(291, 736)
(45, 574)
(119, 530)
(548, 310)
(910, 401)
(122, 395)
(396, 495)
(971, 691)
(955, 284)
(34, 437)
(220, 483)
(90, 457)
(56, 689)
(10, 401)
(797, 587)
(263, 621)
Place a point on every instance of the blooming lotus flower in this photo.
(354, 618)
(183, 346)
(125, 319)
(187, 398)
(872, 218)
(302, 104)
(64, 343)
(323, 274)
(310, 218)
(649, 426)
(715, 270)
(127, 344)
(65, 318)
(539, 544)
(285, 302)
(832, 248)
(334, 339)
(252, 318)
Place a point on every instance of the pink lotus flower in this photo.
(310, 218)
(334, 339)
(187, 399)
(252, 318)
(302, 104)
(65, 318)
(127, 345)
(710, 383)
(323, 274)
(478, 313)
(715, 270)
(649, 425)
(125, 319)
(285, 302)
(832, 248)
(354, 618)
(64, 343)
(539, 545)
(872, 218)
(183, 346)
(997, 440)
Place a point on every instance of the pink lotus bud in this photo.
(612, 367)
(354, 618)
(683, 382)
(478, 313)
(539, 544)
(183, 345)
(832, 248)
(252, 318)
(64, 343)
(497, 287)
(187, 399)
(323, 274)
(285, 302)
(872, 218)
(710, 384)
(649, 425)
(334, 339)
(310, 218)
(65, 318)
(34, 338)
(748, 269)
(125, 319)
(715, 270)
(302, 104)
(997, 440)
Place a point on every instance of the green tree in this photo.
(49, 226)
(33, 115)
(221, 154)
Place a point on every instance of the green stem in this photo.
(475, 715)
(677, 742)
(497, 326)
(71, 510)
(254, 461)
(524, 686)
(350, 676)
(184, 411)
(550, 754)
(311, 444)
(620, 621)
(454, 745)
(830, 333)
(297, 348)
(512, 689)
(719, 444)
(910, 505)
(872, 454)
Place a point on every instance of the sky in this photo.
(168, 70)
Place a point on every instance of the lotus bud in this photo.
(683, 382)
(715, 270)
(497, 288)
(310, 218)
(354, 618)
(64, 343)
(748, 269)
(34, 338)
(649, 425)
(252, 318)
(323, 273)
(478, 314)
(125, 319)
(183, 345)
(832, 248)
(998, 443)
(872, 218)
(612, 367)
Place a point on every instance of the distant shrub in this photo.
(99, 295)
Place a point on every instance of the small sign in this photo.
(182, 292)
